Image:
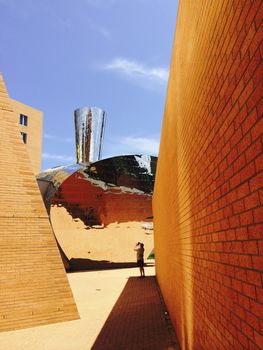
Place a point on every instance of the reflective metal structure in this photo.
(100, 210)
(89, 130)
(50, 180)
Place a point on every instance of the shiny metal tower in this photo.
(89, 131)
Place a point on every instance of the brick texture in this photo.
(208, 190)
(34, 289)
(138, 320)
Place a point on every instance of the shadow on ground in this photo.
(88, 264)
(138, 320)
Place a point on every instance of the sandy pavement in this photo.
(95, 293)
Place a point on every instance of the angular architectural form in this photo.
(208, 191)
(30, 122)
(89, 130)
(34, 286)
(99, 211)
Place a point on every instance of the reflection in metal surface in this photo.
(89, 129)
(133, 172)
(50, 180)
(102, 209)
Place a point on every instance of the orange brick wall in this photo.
(34, 289)
(208, 191)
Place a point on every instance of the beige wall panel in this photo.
(33, 131)
(34, 286)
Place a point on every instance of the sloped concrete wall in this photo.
(207, 199)
(34, 289)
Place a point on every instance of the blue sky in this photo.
(58, 55)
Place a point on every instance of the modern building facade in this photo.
(99, 211)
(34, 286)
(30, 122)
(99, 208)
(208, 191)
(89, 132)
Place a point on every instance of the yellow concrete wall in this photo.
(33, 131)
(34, 289)
(208, 192)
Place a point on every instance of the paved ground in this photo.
(118, 311)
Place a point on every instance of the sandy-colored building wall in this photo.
(34, 287)
(208, 191)
(33, 130)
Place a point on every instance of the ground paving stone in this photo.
(117, 311)
(138, 320)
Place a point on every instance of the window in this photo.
(23, 119)
(24, 137)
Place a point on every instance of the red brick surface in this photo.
(138, 320)
(208, 193)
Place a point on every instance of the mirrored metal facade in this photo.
(100, 210)
(50, 180)
(89, 130)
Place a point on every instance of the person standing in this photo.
(139, 248)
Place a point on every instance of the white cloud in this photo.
(131, 145)
(58, 138)
(58, 157)
(132, 67)
(146, 76)
(101, 30)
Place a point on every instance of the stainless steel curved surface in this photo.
(99, 211)
(89, 130)
(50, 180)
